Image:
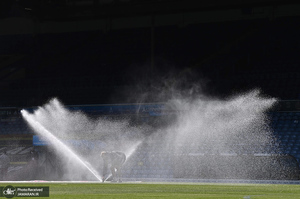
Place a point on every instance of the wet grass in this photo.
(167, 191)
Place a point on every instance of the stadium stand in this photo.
(147, 162)
(91, 66)
(246, 55)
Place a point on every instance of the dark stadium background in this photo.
(87, 52)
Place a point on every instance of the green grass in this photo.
(167, 191)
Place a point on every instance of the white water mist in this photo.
(221, 124)
(199, 133)
(62, 128)
(57, 144)
(210, 135)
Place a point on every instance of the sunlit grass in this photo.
(171, 190)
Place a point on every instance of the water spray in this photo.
(56, 142)
(128, 154)
(201, 126)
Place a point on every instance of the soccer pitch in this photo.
(166, 190)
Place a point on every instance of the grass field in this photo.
(166, 191)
